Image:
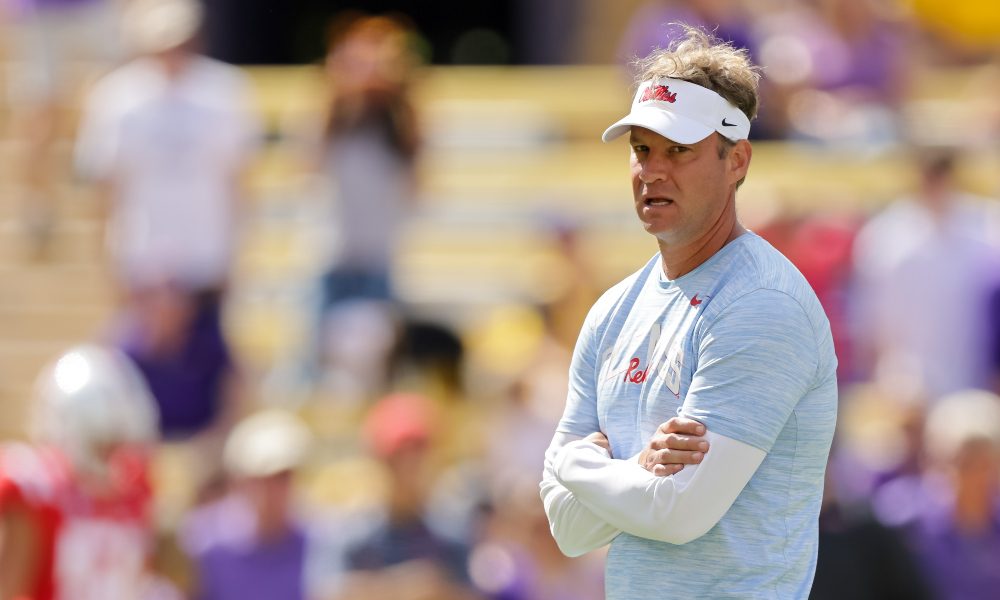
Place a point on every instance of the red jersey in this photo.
(93, 543)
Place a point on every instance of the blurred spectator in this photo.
(859, 557)
(169, 135)
(924, 268)
(56, 46)
(402, 557)
(75, 507)
(657, 23)
(369, 148)
(879, 454)
(371, 145)
(865, 55)
(249, 545)
(836, 71)
(957, 536)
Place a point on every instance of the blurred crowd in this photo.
(153, 469)
(835, 72)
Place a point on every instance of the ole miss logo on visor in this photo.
(658, 92)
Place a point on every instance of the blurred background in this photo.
(348, 248)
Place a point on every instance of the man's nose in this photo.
(654, 169)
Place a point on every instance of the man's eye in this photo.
(638, 149)
(679, 149)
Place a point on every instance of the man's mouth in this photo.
(658, 201)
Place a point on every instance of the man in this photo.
(263, 556)
(169, 136)
(400, 556)
(718, 328)
(907, 332)
(956, 530)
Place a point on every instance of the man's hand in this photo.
(676, 443)
(600, 439)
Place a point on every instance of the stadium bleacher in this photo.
(509, 150)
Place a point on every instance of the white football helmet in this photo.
(90, 400)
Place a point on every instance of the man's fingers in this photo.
(682, 425)
(679, 442)
(676, 457)
(664, 470)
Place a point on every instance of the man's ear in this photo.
(739, 160)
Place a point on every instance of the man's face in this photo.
(682, 191)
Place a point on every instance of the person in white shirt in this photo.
(170, 133)
(925, 267)
(169, 136)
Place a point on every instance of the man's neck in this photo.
(175, 61)
(681, 260)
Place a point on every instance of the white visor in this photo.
(681, 111)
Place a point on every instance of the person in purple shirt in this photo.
(830, 57)
(249, 545)
(957, 534)
(256, 572)
(657, 23)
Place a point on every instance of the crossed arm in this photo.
(590, 497)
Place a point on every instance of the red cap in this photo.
(396, 420)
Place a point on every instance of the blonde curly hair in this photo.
(703, 59)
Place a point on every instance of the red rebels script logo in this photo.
(658, 92)
(633, 375)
